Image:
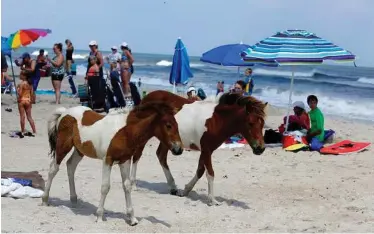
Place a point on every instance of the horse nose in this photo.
(258, 150)
(177, 149)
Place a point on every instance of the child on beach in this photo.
(25, 98)
(316, 132)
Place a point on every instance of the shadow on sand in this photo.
(162, 188)
(88, 209)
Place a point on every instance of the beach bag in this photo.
(271, 137)
(201, 94)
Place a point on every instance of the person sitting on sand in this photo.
(316, 133)
(192, 95)
(298, 121)
(25, 95)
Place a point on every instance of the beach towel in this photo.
(17, 190)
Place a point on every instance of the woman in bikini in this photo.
(25, 95)
(58, 70)
(126, 71)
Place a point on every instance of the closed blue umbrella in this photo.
(226, 55)
(295, 47)
(180, 70)
(5, 48)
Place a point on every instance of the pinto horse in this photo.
(204, 126)
(113, 138)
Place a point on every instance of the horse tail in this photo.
(52, 130)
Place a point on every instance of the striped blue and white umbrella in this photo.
(295, 47)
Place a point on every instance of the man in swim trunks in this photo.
(316, 132)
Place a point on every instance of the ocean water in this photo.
(345, 91)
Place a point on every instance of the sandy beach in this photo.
(278, 191)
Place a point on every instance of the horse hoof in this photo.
(214, 203)
(74, 201)
(176, 192)
(99, 220)
(134, 222)
(44, 204)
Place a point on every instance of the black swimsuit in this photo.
(69, 54)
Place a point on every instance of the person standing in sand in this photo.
(68, 66)
(28, 69)
(58, 71)
(127, 69)
(94, 81)
(25, 95)
(249, 82)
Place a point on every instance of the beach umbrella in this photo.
(20, 38)
(295, 47)
(226, 55)
(180, 70)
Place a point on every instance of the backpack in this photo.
(201, 94)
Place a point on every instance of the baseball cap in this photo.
(25, 55)
(299, 104)
(92, 43)
(114, 48)
(124, 44)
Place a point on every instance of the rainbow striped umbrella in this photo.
(20, 38)
(24, 37)
(295, 47)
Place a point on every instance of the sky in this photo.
(153, 26)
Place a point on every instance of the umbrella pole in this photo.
(289, 101)
(14, 78)
(174, 87)
(239, 72)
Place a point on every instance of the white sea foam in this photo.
(166, 63)
(366, 80)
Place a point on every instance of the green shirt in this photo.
(317, 122)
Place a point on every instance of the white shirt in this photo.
(114, 57)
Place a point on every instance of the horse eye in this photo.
(168, 126)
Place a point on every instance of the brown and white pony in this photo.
(113, 138)
(205, 126)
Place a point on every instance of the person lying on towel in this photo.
(298, 121)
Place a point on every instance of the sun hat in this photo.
(92, 43)
(299, 104)
(114, 48)
(124, 44)
(190, 89)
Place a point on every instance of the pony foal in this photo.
(113, 138)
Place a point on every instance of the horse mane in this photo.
(252, 104)
(145, 110)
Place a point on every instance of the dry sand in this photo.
(275, 192)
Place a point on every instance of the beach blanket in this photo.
(36, 179)
(9, 188)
